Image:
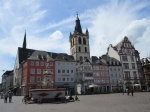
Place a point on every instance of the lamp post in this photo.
(79, 78)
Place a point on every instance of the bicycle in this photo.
(25, 100)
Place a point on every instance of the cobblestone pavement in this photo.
(88, 103)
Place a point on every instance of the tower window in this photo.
(79, 49)
(85, 49)
(84, 41)
(79, 40)
(71, 44)
(73, 41)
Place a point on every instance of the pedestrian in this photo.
(5, 97)
(10, 94)
(76, 98)
(132, 92)
(128, 91)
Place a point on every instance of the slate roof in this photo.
(25, 54)
(108, 59)
(96, 60)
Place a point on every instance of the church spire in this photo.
(24, 41)
(78, 26)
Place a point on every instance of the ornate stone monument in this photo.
(47, 78)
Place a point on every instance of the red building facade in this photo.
(32, 74)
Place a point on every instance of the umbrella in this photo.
(93, 85)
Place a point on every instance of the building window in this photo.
(103, 80)
(71, 79)
(107, 80)
(38, 79)
(59, 79)
(128, 51)
(71, 71)
(32, 71)
(63, 71)
(79, 40)
(32, 79)
(112, 81)
(110, 69)
(67, 71)
(79, 49)
(132, 58)
(37, 63)
(59, 70)
(67, 79)
(124, 58)
(63, 79)
(38, 71)
(32, 63)
(84, 41)
(134, 74)
(85, 49)
(42, 63)
(125, 65)
(133, 65)
(127, 75)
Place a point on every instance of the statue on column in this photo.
(47, 75)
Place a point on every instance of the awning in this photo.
(136, 84)
(93, 85)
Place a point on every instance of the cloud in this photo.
(111, 22)
(107, 23)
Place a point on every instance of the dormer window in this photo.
(39, 57)
(44, 57)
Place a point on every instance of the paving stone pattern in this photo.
(140, 102)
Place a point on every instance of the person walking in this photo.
(128, 91)
(5, 97)
(76, 98)
(10, 94)
(132, 92)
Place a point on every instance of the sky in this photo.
(48, 24)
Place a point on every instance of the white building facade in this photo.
(125, 53)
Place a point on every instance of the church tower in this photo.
(24, 42)
(79, 43)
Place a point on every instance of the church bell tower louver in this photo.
(79, 42)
